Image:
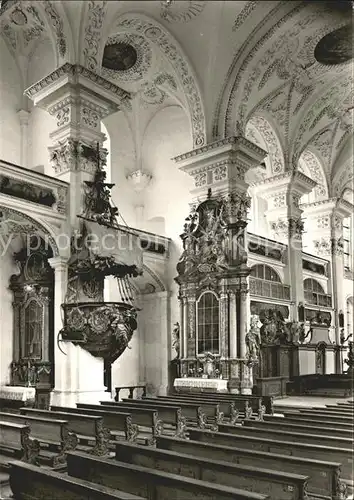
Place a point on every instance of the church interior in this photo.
(176, 249)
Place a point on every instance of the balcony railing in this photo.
(269, 289)
(318, 299)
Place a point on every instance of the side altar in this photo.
(214, 351)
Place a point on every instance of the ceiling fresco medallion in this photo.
(126, 57)
(336, 47)
(180, 11)
(119, 56)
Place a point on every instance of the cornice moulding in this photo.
(336, 205)
(225, 149)
(68, 77)
(286, 181)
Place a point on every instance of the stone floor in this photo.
(309, 401)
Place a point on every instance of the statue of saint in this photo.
(253, 340)
(176, 339)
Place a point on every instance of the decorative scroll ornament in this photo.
(205, 240)
(296, 228)
(174, 11)
(272, 330)
(237, 206)
(103, 329)
(98, 196)
(295, 331)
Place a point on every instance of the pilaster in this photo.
(324, 224)
(23, 116)
(221, 166)
(283, 193)
(78, 99)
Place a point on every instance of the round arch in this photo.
(271, 141)
(14, 222)
(93, 43)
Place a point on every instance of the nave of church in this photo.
(176, 249)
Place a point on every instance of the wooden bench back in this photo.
(287, 435)
(79, 423)
(287, 486)
(41, 428)
(282, 447)
(323, 475)
(28, 481)
(12, 434)
(148, 483)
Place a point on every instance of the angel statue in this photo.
(253, 340)
(175, 339)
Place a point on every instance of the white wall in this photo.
(40, 124)
(10, 103)
(7, 268)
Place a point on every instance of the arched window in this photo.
(208, 323)
(315, 294)
(311, 285)
(265, 272)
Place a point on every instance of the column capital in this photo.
(221, 165)
(58, 263)
(283, 191)
(324, 221)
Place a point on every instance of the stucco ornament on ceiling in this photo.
(93, 33)
(271, 140)
(23, 23)
(157, 91)
(244, 14)
(181, 11)
(311, 166)
(141, 65)
(162, 40)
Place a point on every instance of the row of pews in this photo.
(205, 446)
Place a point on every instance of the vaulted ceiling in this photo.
(280, 72)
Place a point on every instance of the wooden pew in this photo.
(121, 422)
(282, 423)
(243, 403)
(53, 433)
(86, 427)
(198, 412)
(280, 485)
(323, 475)
(131, 391)
(148, 483)
(255, 401)
(144, 417)
(34, 483)
(271, 433)
(343, 421)
(170, 415)
(230, 408)
(16, 439)
(283, 447)
(298, 419)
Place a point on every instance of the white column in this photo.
(61, 364)
(233, 333)
(23, 117)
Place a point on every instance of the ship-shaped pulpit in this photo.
(101, 248)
